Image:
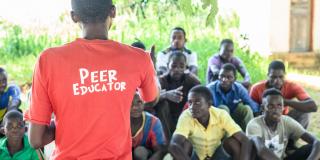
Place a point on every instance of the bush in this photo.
(19, 47)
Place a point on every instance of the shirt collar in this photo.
(212, 119)
(233, 88)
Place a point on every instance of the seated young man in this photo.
(232, 96)
(177, 40)
(9, 95)
(148, 138)
(224, 56)
(15, 144)
(175, 86)
(271, 131)
(300, 108)
(205, 127)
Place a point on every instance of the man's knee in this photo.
(232, 146)
(162, 107)
(140, 153)
(301, 117)
(244, 110)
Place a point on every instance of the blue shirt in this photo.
(11, 93)
(232, 98)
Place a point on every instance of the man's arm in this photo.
(315, 153)
(154, 102)
(176, 148)
(244, 73)
(159, 152)
(247, 100)
(41, 135)
(246, 145)
(14, 92)
(306, 106)
(262, 151)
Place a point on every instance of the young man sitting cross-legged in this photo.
(271, 132)
(205, 127)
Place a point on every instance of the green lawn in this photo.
(314, 126)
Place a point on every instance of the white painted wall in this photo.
(279, 26)
(255, 22)
(316, 26)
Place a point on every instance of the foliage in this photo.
(148, 21)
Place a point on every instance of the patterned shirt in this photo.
(12, 92)
(150, 133)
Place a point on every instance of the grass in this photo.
(314, 126)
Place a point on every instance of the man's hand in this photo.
(175, 95)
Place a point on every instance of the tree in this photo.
(188, 7)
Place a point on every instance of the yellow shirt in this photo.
(206, 140)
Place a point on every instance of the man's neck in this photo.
(136, 120)
(204, 121)
(225, 90)
(95, 31)
(270, 124)
(14, 146)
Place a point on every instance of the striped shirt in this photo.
(150, 133)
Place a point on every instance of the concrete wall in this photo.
(279, 25)
(255, 22)
(316, 26)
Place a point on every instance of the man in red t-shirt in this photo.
(89, 85)
(290, 90)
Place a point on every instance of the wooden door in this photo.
(300, 26)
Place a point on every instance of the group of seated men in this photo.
(226, 119)
(219, 121)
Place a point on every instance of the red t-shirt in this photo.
(89, 86)
(289, 90)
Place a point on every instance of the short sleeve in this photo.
(161, 60)
(148, 88)
(193, 59)
(254, 94)
(40, 110)
(184, 124)
(229, 124)
(254, 129)
(299, 92)
(294, 129)
(14, 92)
(213, 64)
(157, 136)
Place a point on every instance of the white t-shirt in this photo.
(276, 140)
(163, 58)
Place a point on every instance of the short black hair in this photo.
(226, 41)
(92, 11)
(13, 114)
(180, 29)
(177, 54)
(139, 44)
(230, 67)
(272, 91)
(275, 65)
(203, 91)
